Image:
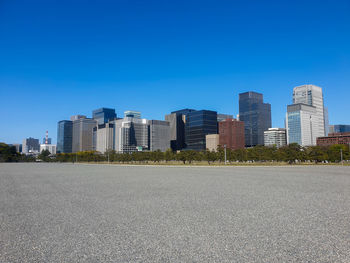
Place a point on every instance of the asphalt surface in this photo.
(101, 213)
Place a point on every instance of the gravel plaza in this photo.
(116, 213)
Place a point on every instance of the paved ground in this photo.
(100, 213)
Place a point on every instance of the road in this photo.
(110, 213)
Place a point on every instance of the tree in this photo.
(44, 155)
(168, 155)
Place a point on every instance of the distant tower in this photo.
(47, 137)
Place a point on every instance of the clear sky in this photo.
(60, 58)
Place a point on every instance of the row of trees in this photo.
(291, 153)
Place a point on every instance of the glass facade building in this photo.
(198, 125)
(338, 128)
(104, 115)
(177, 120)
(256, 116)
(64, 136)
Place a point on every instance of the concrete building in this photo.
(82, 139)
(103, 137)
(64, 136)
(256, 116)
(159, 133)
(212, 142)
(198, 125)
(104, 115)
(232, 134)
(334, 138)
(77, 117)
(275, 137)
(131, 134)
(177, 120)
(132, 114)
(312, 95)
(222, 117)
(50, 147)
(30, 145)
(302, 124)
(339, 128)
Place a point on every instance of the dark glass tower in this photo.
(256, 116)
(103, 115)
(198, 125)
(64, 136)
(177, 120)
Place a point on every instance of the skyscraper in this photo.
(256, 116)
(312, 95)
(30, 145)
(302, 124)
(103, 115)
(64, 136)
(103, 137)
(338, 128)
(82, 139)
(159, 133)
(177, 120)
(198, 125)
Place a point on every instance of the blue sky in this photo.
(60, 58)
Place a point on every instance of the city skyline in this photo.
(61, 59)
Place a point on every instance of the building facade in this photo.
(50, 147)
(30, 145)
(64, 136)
(198, 125)
(334, 138)
(131, 134)
(256, 116)
(275, 137)
(222, 117)
(132, 114)
(339, 128)
(177, 121)
(159, 133)
(301, 124)
(104, 115)
(103, 137)
(82, 139)
(212, 142)
(232, 134)
(312, 95)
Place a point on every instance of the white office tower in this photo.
(50, 147)
(103, 137)
(302, 124)
(312, 95)
(275, 137)
(131, 134)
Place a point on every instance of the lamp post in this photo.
(341, 156)
(225, 153)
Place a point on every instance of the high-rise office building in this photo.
(49, 140)
(132, 114)
(338, 128)
(77, 117)
(103, 137)
(131, 134)
(312, 95)
(311, 122)
(275, 137)
(82, 139)
(159, 133)
(232, 134)
(198, 125)
(103, 115)
(64, 136)
(30, 145)
(256, 116)
(222, 117)
(177, 120)
(302, 124)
